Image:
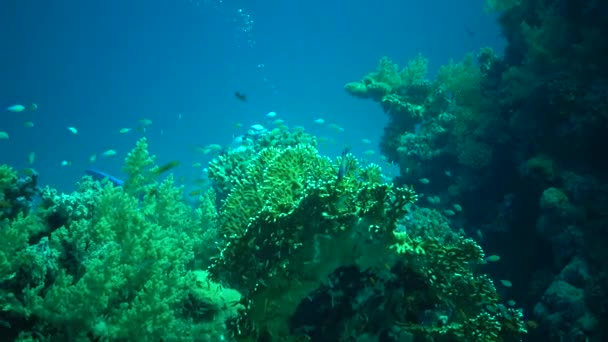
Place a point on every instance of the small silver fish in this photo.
(109, 153)
(257, 127)
(16, 108)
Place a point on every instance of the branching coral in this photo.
(225, 170)
(290, 223)
(446, 261)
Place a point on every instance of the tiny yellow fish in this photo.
(424, 181)
(66, 163)
(366, 141)
(31, 158)
(201, 181)
(109, 153)
(336, 127)
(72, 129)
(28, 124)
(145, 122)
(92, 158)
(278, 122)
(164, 168)
(197, 165)
(238, 125)
(124, 130)
(202, 150)
(194, 193)
(3, 135)
(532, 324)
(506, 283)
(434, 199)
(369, 152)
(493, 258)
(320, 121)
(28, 171)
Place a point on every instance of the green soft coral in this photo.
(139, 166)
(8, 177)
(112, 265)
(15, 250)
(462, 80)
(117, 257)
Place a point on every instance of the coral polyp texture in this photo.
(295, 232)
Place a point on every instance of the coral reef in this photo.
(108, 262)
(520, 138)
(292, 228)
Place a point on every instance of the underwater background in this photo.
(103, 66)
(223, 170)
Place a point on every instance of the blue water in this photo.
(103, 65)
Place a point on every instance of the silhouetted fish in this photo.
(240, 96)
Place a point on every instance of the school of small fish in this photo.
(272, 124)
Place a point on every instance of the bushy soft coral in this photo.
(462, 81)
(16, 193)
(437, 117)
(139, 166)
(106, 263)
